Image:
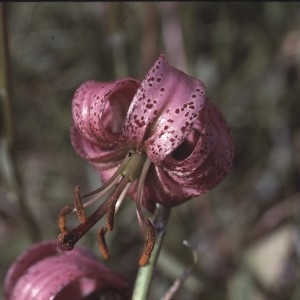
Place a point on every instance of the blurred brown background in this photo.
(247, 230)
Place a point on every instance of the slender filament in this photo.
(145, 223)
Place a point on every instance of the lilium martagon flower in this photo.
(42, 272)
(158, 141)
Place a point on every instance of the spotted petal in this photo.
(98, 112)
(201, 161)
(163, 110)
(99, 109)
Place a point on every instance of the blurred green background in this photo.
(246, 231)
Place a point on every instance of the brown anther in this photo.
(110, 216)
(62, 218)
(79, 206)
(149, 243)
(102, 242)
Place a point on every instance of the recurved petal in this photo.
(163, 110)
(201, 161)
(95, 153)
(60, 275)
(99, 109)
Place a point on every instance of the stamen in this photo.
(79, 206)
(149, 243)
(102, 243)
(145, 224)
(113, 201)
(118, 185)
(67, 240)
(62, 218)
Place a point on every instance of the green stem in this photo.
(145, 273)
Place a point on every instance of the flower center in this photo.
(134, 166)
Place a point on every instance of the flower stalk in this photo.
(145, 273)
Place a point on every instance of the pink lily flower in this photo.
(160, 141)
(42, 272)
